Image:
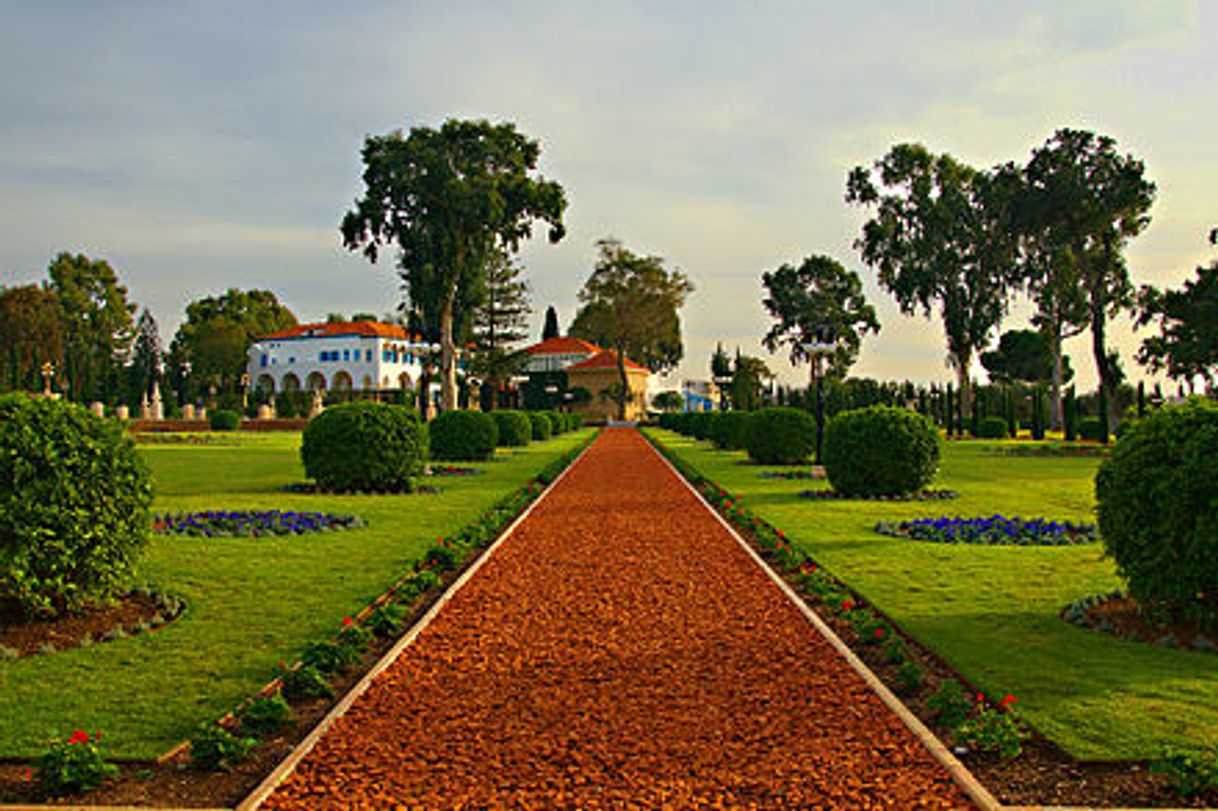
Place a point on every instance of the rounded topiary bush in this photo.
(515, 427)
(365, 446)
(731, 430)
(992, 428)
(1157, 500)
(463, 436)
(557, 424)
(780, 436)
(74, 498)
(224, 420)
(542, 427)
(880, 451)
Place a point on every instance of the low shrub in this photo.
(990, 729)
(224, 420)
(1189, 772)
(1157, 508)
(365, 446)
(880, 451)
(74, 497)
(515, 428)
(780, 436)
(949, 704)
(542, 427)
(329, 657)
(264, 714)
(306, 682)
(213, 748)
(463, 436)
(909, 677)
(992, 428)
(386, 621)
(731, 430)
(73, 765)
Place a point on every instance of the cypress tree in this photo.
(1141, 398)
(1070, 415)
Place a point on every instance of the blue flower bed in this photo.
(243, 523)
(997, 530)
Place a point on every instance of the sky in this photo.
(199, 146)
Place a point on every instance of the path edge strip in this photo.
(285, 768)
(938, 750)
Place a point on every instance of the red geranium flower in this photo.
(879, 633)
(847, 605)
(1007, 700)
(347, 622)
(981, 698)
(79, 736)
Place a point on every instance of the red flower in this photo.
(347, 622)
(29, 774)
(847, 605)
(79, 736)
(879, 633)
(779, 531)
(1007, 700)
(97, 735)
(981, 698)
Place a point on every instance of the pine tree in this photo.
(500, 321)
(146, 353)
(550, 330)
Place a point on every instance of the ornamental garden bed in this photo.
(1118, 614)
(135, 613)
(250, 602)
(994, 530)
(987, 616)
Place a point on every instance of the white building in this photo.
(346, 356)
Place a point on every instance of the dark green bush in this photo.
(731, 430)
(515, 427)
(364, 446)
(780, 436)
(224, 420)
(558, 425)
(880, 451)
(702, 424)
(1157, 498)
(74, 497)
(992, 428)
(306, 682)
(463, 436)
(542, 427)
(1090, 428)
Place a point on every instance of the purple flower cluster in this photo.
(994, 530)
(244, 523)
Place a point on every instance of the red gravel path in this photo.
(620, 650)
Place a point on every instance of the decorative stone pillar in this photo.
(265, 412)
(122, 412)
(318, 405)
(158, 408)
(98, 408)
(145, 408)
(188, 411)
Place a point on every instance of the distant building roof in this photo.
(563, 345)
(371, 329)
(607, 359)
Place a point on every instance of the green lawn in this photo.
(992, 611)
(251, 601)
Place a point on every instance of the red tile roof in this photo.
(563, 345)
(371, 329)
(607, 359)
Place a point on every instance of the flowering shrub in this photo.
(993, 729)
(992, 531)
(73, 765)
(245, 523)
(264, 714)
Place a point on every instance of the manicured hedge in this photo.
(542, 427)
(992, 428)
(515, 427)
(780, 436)
(463, 436)
(224, 420)
(1157, 500)
(880, 451)
(74, 498)
(731, 430)
(365, 446)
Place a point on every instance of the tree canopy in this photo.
(630, 305)
(219, 330)
(448, 199)
(97, 324)
(1187, 346)
(940, 237)
(31, 334)
(1024, 356)
(749, 378)
(819, 300)
(500, 321)
(1085, 202)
